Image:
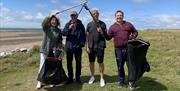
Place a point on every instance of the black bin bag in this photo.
(52, 71)
(137, 62)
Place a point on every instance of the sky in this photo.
(144, 14)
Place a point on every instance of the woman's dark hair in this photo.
(119, 11)
(57, 20)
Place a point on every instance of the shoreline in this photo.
(23, 39)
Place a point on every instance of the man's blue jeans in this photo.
(121, 57)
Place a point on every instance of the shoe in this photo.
(121, 85)
(39, 85)
(102, 83)
(69, 82)
(91, 80)
(132, 86)
(79, 81)
(52, 85)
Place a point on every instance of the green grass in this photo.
(19, 71)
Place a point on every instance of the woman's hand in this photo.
(87, 50)
(55, 14)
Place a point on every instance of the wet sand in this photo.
(12, 40)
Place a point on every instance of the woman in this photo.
(51, 47)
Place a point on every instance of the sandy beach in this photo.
(12, 40)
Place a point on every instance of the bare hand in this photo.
(71, 26)
(99, 29)
(87, 50)
(132, 36)
(55, 14)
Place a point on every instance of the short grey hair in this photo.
(95, 9)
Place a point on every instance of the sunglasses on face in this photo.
(73, 15)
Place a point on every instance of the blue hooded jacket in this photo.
(75, 38)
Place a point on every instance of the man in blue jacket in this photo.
(75, 39)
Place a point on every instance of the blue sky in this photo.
(144, 14)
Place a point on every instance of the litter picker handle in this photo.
(72, 7)
(85, 6)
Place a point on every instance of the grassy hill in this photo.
(19, 72)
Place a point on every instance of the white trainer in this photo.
(39, 85)
(51, 85)
(91, 80)
(102, 83)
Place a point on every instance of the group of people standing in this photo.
(94, 37)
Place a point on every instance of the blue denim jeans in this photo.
(121, 57)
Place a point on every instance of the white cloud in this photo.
(169, 21)
(157, 21)
(108, 18)
(40, 16)
(28, 17)
(36, 17)
(23, 12)
(63, 7)
(1, 4)
(78, 1)
(140, 1)
(9, 18)
(5, 15)
(54, 11)
(164, 18)
(4, 10)
(41, 5)
(54, 1)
